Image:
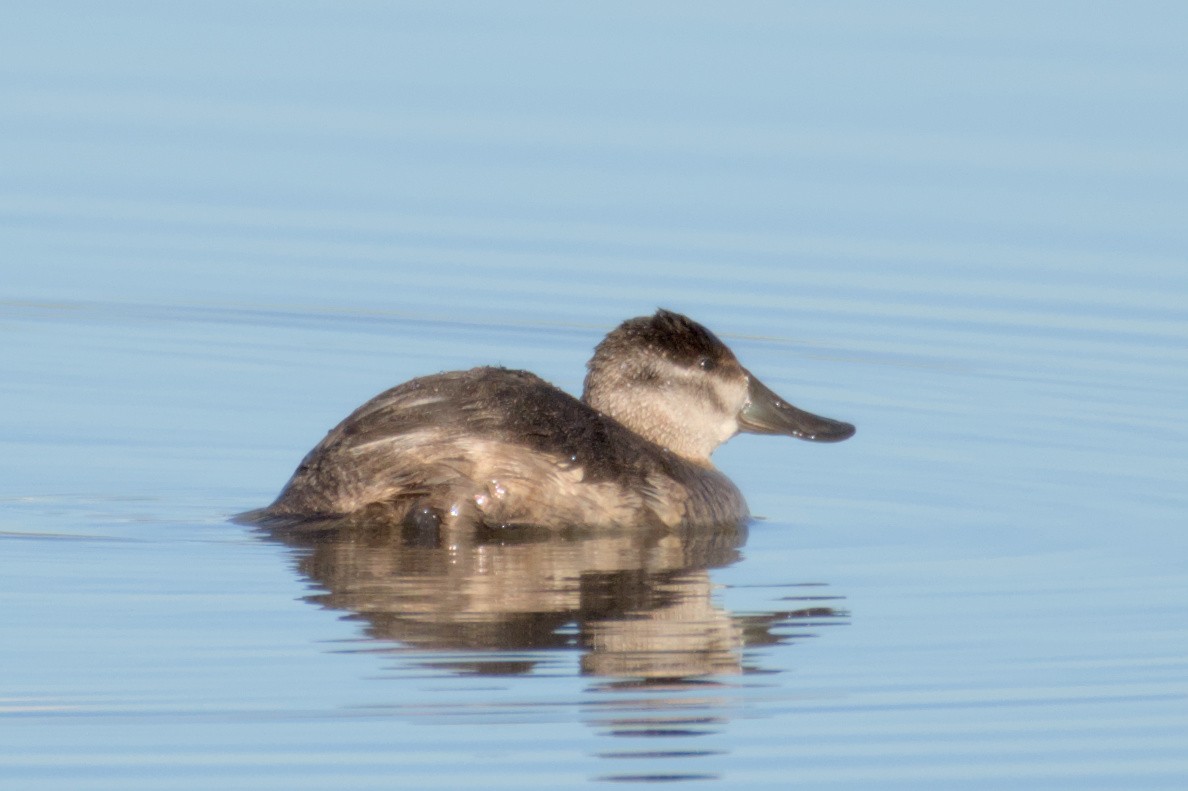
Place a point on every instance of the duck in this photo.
(498, 447)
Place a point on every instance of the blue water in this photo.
(224, 226)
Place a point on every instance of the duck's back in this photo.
(496, 446)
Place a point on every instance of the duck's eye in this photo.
(707, 363)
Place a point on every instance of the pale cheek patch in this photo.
(733, 395)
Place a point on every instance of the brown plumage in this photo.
(494, 446)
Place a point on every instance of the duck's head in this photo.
(674, 382)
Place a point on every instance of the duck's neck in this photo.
(654, 423)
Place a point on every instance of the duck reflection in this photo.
(636, 604)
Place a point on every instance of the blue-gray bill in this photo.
(767, 413)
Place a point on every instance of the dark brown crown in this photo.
(676, 337)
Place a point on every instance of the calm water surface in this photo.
(225, 227)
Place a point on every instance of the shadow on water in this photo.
(637, 606)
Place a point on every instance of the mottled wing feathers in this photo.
(504, 440)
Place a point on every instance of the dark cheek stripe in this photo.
(711, 393)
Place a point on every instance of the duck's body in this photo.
(502, 447)
(494, 446)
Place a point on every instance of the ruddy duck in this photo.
(495, 447)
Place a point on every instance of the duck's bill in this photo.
(767, 413)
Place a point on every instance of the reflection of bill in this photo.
(635, 603)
